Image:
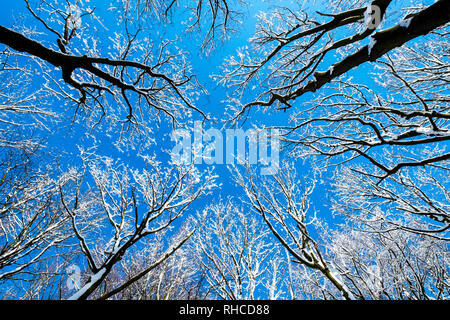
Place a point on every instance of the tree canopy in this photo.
(350, 98)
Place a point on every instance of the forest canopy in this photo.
(224, 149)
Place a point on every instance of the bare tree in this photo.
(115, 78)
(396, 124)
(415, 200)
(134, 206)
(294, 47)
(178, 277)
(23, 110)
(393, 264)
(33, 227)
(105, 230)
(284, 205)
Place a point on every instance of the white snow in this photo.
(75, 15)
(94, 279)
